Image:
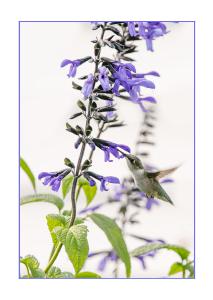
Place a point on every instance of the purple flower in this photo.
(125, 75)
(73, 66)
(104, 180)
(150, 202)
(88, 86)
(131, 28)
(103, 78)
(147, 99)
(148, 31)
(110, 148)
(92, 208)
(151, 30)
(54, 178)
(111, 256)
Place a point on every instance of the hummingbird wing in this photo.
(160, 174)
(159, 192)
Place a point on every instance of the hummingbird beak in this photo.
(127, 155)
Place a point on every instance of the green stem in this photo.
(53, 258)
(28, 272)
(78, 168)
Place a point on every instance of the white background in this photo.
(13, 11)
(47, 100)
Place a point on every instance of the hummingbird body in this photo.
(146, 181)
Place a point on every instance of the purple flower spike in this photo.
(73, 66)
(54, 178)
(88, 85)
(103, 78)
(102, 179)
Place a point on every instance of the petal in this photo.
(111, 179)
(47, 180)
(43, 174)
(56, 185)
(149, 45)
(72, 71)
(147, 83)
(115, 88)
(124, 147)
(65, 62)
(103, 185)
(149, 99)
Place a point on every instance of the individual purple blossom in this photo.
(125, 75)
(73, 66)
(88, 86)
(110, 148)
(54, 178)
(104, 180)
(104, 79)
(148, 31)
(151, 30)
(150, 202)
(146, 99)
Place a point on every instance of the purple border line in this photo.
(19, 139)
(19, 134)
(194, 146)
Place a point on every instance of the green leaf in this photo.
(37, 273)
(66, 185)
(54, 220)
(115, 237)
(66, 275)
(189, 266)
(28, 171)
(89, 191)
(87, 275)
(182, 252)
(175, 268)
(30, 261)
(53, 199)
(76, 244)
(55, 272)
(32, 264)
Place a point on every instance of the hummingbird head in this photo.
(133, 162)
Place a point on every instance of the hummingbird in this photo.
(148, 182)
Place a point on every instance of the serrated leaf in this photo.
(66, 275)
(175, 268)
(49, 198)
(182, 252)
(76, 245)
(28, 171)
(38, 273)
(66, 185)
(55, 272)
(30, 260)
(54, 220)
(115, 237)
(32, 264)
(87, 275)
